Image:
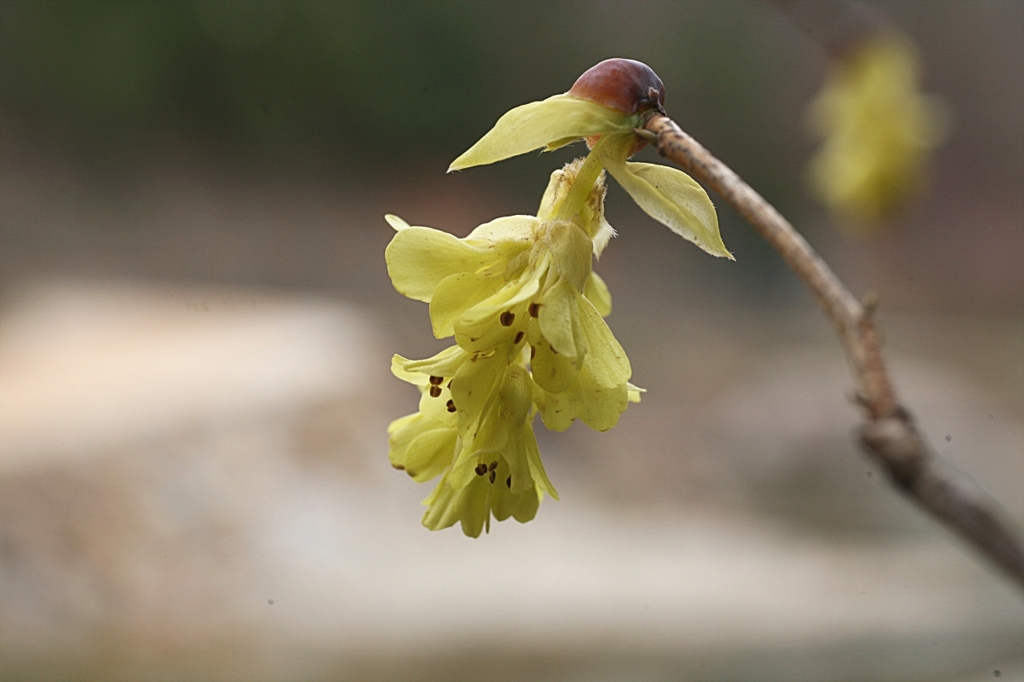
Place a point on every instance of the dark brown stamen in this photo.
(436, 381)
(533, 352)
(492, 477)
(508, 482)
(480, 469)
(435, 391)
(519, 337)
(450, 405)
(494, 465)
(534, 307)
(507, 318)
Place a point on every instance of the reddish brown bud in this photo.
(625, 85)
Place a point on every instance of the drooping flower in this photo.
(878, 130)
(516, 291)
(526, 310)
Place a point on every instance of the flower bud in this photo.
(625, 85)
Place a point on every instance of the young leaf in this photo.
(550, 123)
(674, 199)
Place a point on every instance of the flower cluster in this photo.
(878, 130)
(526, 309)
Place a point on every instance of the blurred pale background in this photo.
(196, 322)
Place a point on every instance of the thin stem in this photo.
(889, 433)
(582, 185)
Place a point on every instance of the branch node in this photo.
(895, 444)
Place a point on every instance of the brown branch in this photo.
(888, 433)
(836, 27)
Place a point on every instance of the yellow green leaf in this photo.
(674, 199)
(550, 123)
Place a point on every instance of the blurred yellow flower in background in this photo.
(878, 131)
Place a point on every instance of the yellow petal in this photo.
(553, 371)
(674, 199)
(559, 320)
(474, 387)
(419, 258)
(499, 440)
(601, 407)
(597, 406)
(597, 293)
(474, 504)
(509, 411)
(444, 364)
(550, 123)
(446, 506)
(397, 223)
(558, 409)
(455, 295)
(540, 477)
(507, 228)
(500, 317)
(523, 506)
(433, 405)
(482, 445)
(606, 360)
(424, 452)
(398, 368)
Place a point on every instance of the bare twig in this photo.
(835, 26)
(888, 433)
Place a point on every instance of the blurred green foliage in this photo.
(345, 78)
(248, 74)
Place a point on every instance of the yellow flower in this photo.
(485, 450)
(517, 291)
(878, 130)
(520, 297)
